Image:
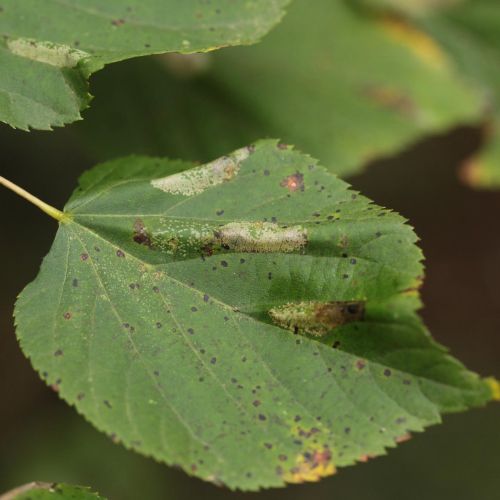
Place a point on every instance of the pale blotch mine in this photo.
(261, 237)
(198, 179)
(61, 56)
(185, 239)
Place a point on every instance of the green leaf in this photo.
(48, 53)
(471, 34)
(468, 31)
(349, 90)
(251, 320)
(48, 491)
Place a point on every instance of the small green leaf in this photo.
(47, 53)
(50, 491)
(251, 320)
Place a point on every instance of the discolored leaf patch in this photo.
(311, 467)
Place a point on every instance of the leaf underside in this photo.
(47, 54)
(251, 320)
(353, 89)
(49, 491)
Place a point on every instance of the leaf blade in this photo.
(48, 57)
(172, 349)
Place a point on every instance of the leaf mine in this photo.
(198, 179)
(61, 56)
(317, 318)
(261, 237)
(194, 239)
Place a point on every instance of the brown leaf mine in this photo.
(316, 318)
(140, 234)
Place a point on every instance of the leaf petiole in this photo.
(49, 210)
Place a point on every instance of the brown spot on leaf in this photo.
(55, 386)
(360, 364)
(403, 438)
(140, 234)
(294, 182)
(343, 241)
(391, 98)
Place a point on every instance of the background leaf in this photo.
(47, 53)
(469, 33)
(349, 90)
(167, 344)
(414, 7)
(48, 491)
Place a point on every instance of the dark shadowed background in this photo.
(41, 438)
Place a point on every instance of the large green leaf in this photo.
(251, 320)
(343, 85)
(47, 52)
(49, 491)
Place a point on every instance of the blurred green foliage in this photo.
(148, 106)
